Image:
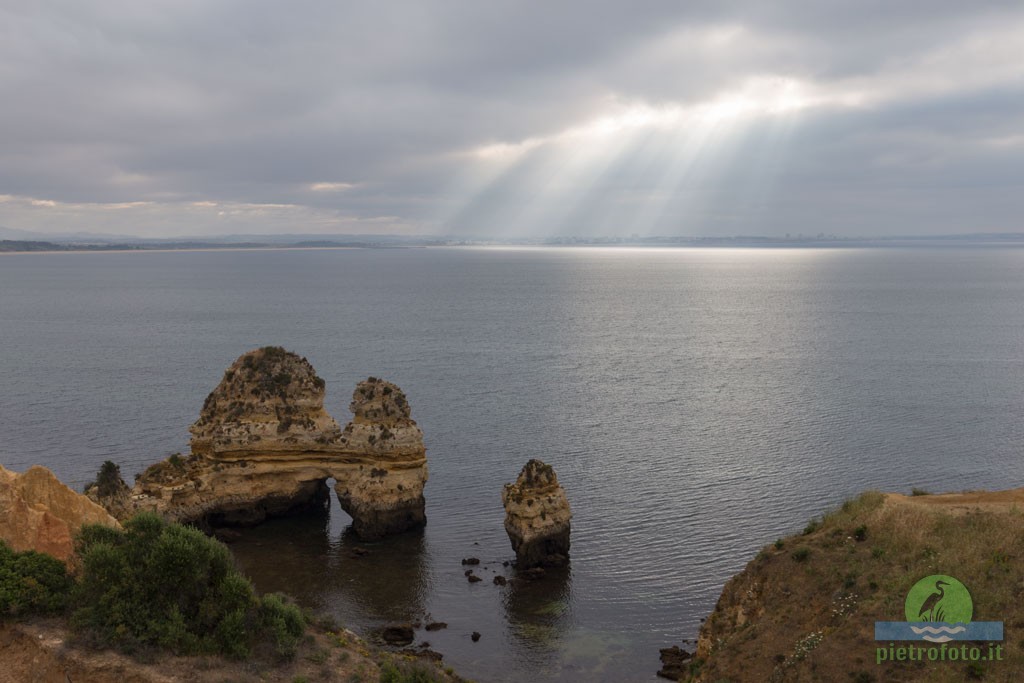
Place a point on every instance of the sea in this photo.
(696, 405)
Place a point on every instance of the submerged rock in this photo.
(537, 517)
(423, 652)
(264, 446)
(674, 663)
(399, 635)
(38, 512)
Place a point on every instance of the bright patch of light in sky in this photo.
(761, 97)
(495, 120)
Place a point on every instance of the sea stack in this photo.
(537, 517)
(264, 446)
(383, 491)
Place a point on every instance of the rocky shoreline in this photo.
(264, 446)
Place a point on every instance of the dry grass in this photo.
(804, 609)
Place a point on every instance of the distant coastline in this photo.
(283, 242)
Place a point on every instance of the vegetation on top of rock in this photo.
(535, 477)
(260, 375)
(108, 480)
(32, 583)
(156, 584)
(166, 471)
(375, 399)
(537, 472)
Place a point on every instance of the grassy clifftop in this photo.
(804, 609)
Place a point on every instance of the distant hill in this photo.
(26, 245)
(57, 237)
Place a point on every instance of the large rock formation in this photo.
(264, 446)
(537, 517)
(38, 512)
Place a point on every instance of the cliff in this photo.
(804, 609)
(38, 512)
(264, 446)
(537, 517)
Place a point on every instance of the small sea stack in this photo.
(537, 517)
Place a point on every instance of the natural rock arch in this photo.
(265, 446)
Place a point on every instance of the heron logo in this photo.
(940, 599)
(939, 609)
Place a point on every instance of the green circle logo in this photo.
(939, 598)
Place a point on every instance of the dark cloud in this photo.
(181, 117)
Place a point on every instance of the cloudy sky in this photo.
(512, 118)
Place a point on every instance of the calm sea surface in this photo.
(696, 404)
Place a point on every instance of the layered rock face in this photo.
(537, 517)
(387, 496)
(269, 401)
(265, 446)
(38, 512)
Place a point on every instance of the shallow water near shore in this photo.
(696, 405)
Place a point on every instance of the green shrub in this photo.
(801, 554)
(280, 624)
(32, 583)
(108, 480)
(406, 673)
(167, 585)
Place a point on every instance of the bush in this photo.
(407, 673)
(32, 583)
(166, 585)
(108, 480)
(280, 624)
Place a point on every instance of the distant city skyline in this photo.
(510, 121)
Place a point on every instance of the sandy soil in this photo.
(963, 503)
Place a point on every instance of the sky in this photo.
(512, 119)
